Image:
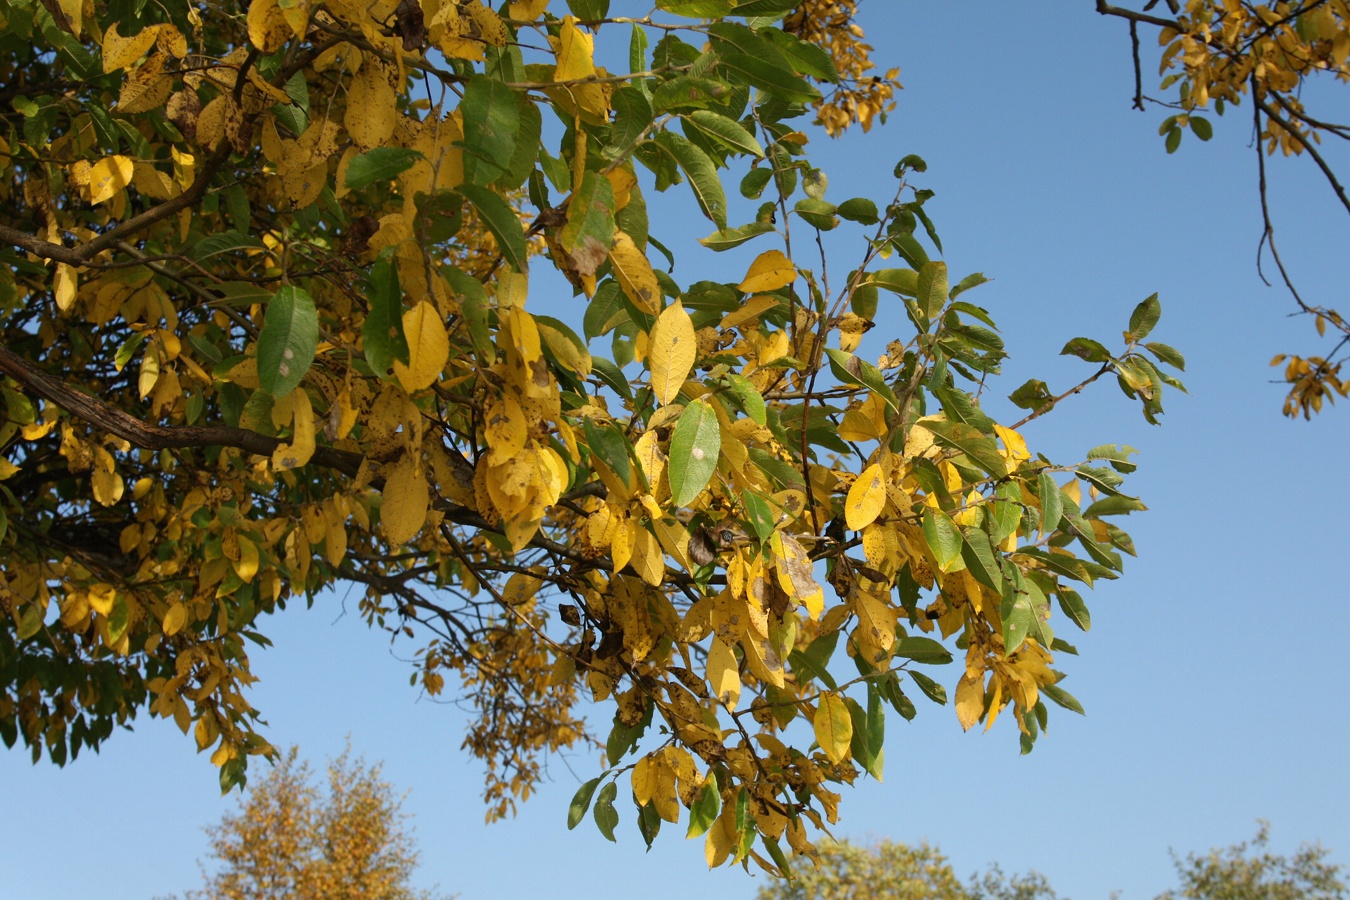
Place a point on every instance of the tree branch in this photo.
(1108, 9)
(156, 437)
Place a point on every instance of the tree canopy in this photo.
(271, 322)
(289, 840)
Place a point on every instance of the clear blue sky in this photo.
(1214, 674)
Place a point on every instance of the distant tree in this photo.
(1248, 871)
(894, 871)
(289, 840)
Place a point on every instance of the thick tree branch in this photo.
(156, 437)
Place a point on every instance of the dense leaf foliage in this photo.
(289, 840)
(270, 323)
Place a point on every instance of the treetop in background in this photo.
(271, 322)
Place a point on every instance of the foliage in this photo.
(1217, 52)
(288, 841)
(265, 329)
(1251, 872)
(893, 871)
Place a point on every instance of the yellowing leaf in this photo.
(406, 497)
(525, 10)
(723, 676)
(644, 780)
(969, 700)
(428, 348)
(834, 727)
(865, 499)
(371, 106)
(770, 271)
(174, 619)
(298, 452)
(120, 52)
(634, 272)
(267, 26)
(672, 353)
(107, 484)
(108, 177)
(64, 286)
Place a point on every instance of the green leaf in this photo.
(942, 537)
(118, 620)
(904, 282)
(931, 290)
(1167, 355)
(500, 219)
(609, 444)
(706, 808)
(702, 175)
(581, 801)
(975, 279)
(734, 237)
(606, 817)
(1051, 507)
(1144, 317)
(981, 559)
(632, 115)
(383, 328)
(605, 312)
(613, 376)
(1063, 698)
(1115, 505)
(910, 250)
(1087, 349)
(1173, 140)
(860, 210)
(759, 515)
(775, 80)
(289, 337)
(1071, 602)
(589, 231)
(750, 399)
(694, 448)
(1201, 126)
(1018, 617)
(817, 213)
(379, 164)
(931, 689)
(696, 9)
(766, 8)
(969, 440)
(805, 57)
(754, 182)
(30, 621)
(127, 352)
(724, 130)
(855, 370)
(686, 92)
(923, 650)
(224, 242)
(862, 747)
(1032, 395)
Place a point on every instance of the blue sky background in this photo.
(1214, 674)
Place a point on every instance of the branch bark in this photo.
(156, 437)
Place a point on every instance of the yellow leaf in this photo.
(770, 271)
(120, 52)
(246, 567)
(576, 62)
(634, 272)
(721, 838)
(371, 106)
(750, 311)
(672, 353)
(298, 452)
(520, 588)
(267, 26)
(107, 484)
(64, 285)
(146, 87)
(969, 699)
(525, 10)
(834, 727)
(406, 497)
(428, 348)
(793, 565)
(877, 620)
(175, 619)
(644, 781)
(1013, 443)
(621, 543)
(108, 177)
(865, 499)
(723, 676)
(648, 560)
(7, 469)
